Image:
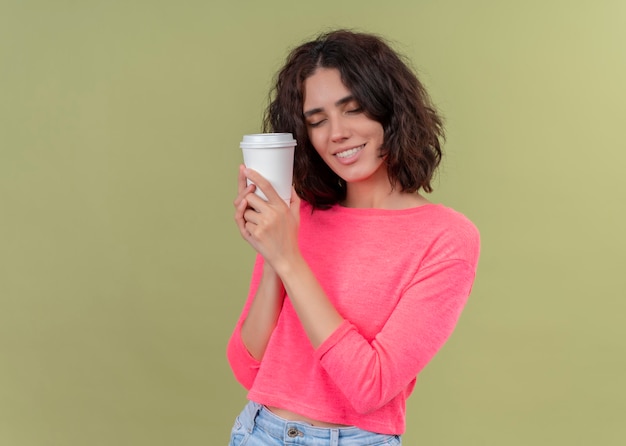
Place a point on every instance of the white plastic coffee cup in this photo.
(271, 154)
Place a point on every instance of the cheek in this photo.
(317, 139)
(380, 131)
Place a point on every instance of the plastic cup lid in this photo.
(264, 140)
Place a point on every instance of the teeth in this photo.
(349, 152)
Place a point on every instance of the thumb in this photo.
(294, 203)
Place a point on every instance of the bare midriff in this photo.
(292, 416)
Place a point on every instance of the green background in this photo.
(122, 273)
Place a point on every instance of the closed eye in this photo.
(355, 110)
(315, 123)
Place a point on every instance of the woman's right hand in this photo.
(269, 225)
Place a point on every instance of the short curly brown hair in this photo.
(389, 92)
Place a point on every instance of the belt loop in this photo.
(256, 409)
(334, 437)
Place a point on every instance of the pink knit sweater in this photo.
(400, 279)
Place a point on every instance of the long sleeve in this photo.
(370, 374)
(243, 365)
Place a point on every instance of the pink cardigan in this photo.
(400, 278)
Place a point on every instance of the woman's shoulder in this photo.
(454, 233)
(452, 218)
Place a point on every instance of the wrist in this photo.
(269, 276)
(288, 266)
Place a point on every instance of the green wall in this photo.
(121, 271)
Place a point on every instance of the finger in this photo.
(243, 194)
(241, 179)
(255, 202)
(243, 225)
(242, 182)
(249, 231)
(252, 216)
(264, 185)
(240, 209)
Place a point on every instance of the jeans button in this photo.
(293, 432)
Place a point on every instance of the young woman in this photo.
(361, 280)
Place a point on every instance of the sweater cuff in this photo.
(336, 336)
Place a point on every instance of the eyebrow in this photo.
(341, 101)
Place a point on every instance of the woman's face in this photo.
(342, 134)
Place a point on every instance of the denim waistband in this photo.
(297, 432)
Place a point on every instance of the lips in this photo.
(349, 152)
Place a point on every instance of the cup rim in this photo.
(267, 140)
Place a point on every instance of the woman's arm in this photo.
(263, 313)
(272, 229)
(371, 372)
(318, 316)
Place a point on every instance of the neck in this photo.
(364, 195)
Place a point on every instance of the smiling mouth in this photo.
(348, 153)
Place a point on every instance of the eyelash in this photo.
(354, 111)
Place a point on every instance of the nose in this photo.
(339, 130)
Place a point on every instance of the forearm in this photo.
(263, 313)
(371, 371)
(317, 314)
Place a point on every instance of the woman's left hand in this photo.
(271, 227)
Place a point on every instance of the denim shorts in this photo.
(257, 426)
